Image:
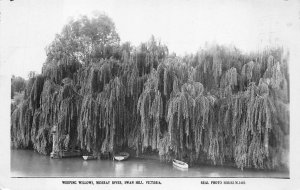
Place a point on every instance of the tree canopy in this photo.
(217, 106)
(85, 40)
(18, 85)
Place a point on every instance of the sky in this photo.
(28, 26)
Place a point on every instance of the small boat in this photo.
(121, 156)
(89, 157)
(69, 154)
(180, 164)
(65, 154)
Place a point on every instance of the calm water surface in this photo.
(27, 163)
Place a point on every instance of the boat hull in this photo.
(122, 156)
(180, 164)
(89, 157)
(65, 154)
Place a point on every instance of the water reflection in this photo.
(119, 167)
(181, 169)
(214, 174)
(26, 163)
(140, 168)
(85, 163)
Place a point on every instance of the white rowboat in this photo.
(180, 164)
(121, 156)
(89, 157)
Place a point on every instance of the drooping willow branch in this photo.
(219, 106)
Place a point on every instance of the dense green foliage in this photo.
(218, 105)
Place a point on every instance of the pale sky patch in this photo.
(28, 26)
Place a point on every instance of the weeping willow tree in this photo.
(218, 106)
(150, 108)
(188, 113)
(243, 125)
(102, 118)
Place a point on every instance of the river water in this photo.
(27, 163)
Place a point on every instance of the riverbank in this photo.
(27, 163)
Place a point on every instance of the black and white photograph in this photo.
(140, 94)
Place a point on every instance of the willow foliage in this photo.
(218, 106)
(150, 106)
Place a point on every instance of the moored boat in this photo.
(121, 156)
(180, 164)
(65, 154)
(89, 157)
